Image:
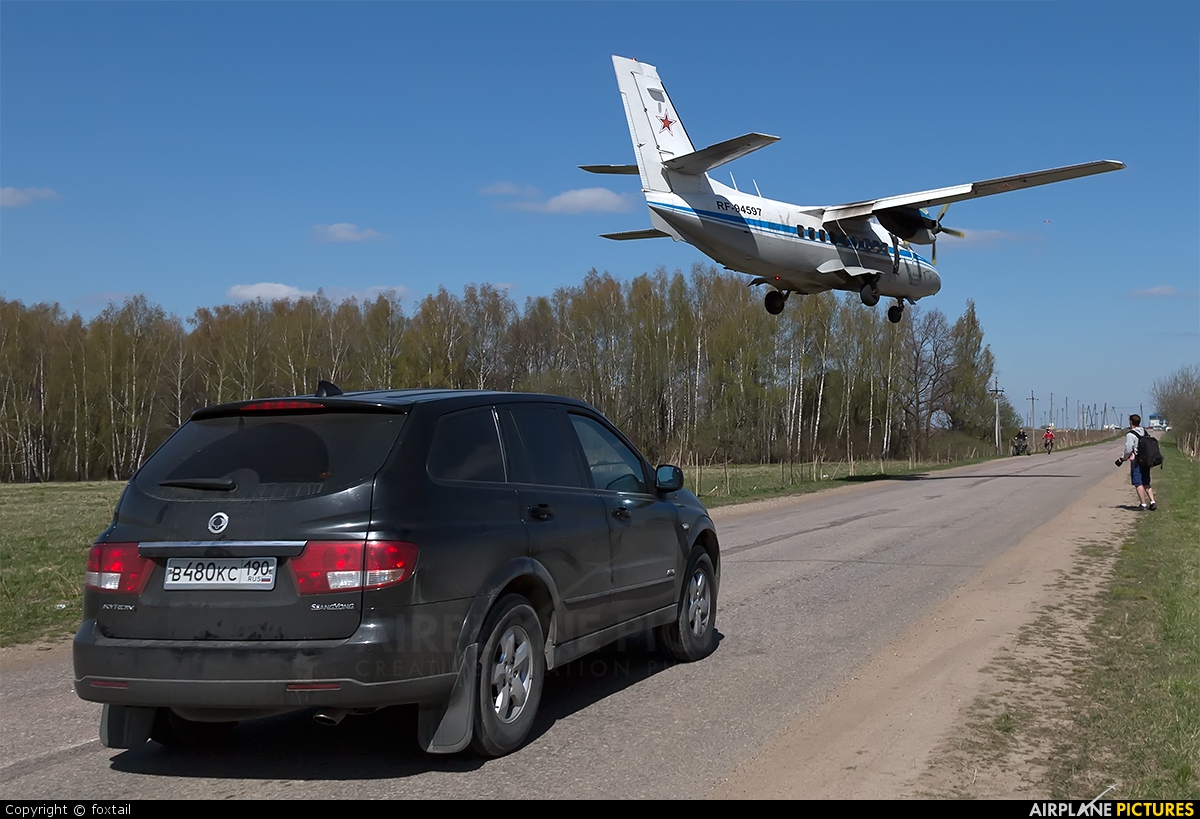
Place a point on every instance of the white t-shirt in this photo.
(1131, 441)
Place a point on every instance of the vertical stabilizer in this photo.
(654, 126)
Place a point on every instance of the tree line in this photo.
(1177, 396)
(690, 366)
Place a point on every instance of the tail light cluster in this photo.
(324, 567)
(117, 567)
(340, 566)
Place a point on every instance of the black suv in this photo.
(347, 552)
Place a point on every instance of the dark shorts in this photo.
(1137, 475)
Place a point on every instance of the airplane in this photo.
(864, 247)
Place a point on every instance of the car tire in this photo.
(512, 671)
(693, 634)
(173, 730)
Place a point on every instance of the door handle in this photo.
(621, 512)
(543, 511)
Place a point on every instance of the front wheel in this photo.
(693, 634)
(512, 670)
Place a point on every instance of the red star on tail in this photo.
(667, 122)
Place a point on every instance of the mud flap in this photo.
(125, 726)
(445, 727)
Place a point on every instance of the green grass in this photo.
(738, 483)
(45, 533)
(721, 485)
(1138, 720)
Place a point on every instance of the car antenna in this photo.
(326, 390)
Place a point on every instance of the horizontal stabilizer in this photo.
(628, 170)
(714, 156)
(649, 233)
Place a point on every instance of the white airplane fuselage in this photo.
(787, 246)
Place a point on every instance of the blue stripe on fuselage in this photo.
(774, 228)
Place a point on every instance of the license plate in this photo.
(220, 573)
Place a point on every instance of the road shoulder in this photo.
(892, 731)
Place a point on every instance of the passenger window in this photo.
(539, 448)
(613, 465)
(466, 448)
(822, 235)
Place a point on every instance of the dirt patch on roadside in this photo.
(964, 704)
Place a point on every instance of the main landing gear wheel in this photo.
(774, 301)
(869, 295)
(895, 313)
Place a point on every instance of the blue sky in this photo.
(199, 153)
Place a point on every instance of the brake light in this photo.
(272, 406)
(389, 562)
(328, 567)
(117, 567)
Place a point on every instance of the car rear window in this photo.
(287, 455)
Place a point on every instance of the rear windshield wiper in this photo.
(216, 484)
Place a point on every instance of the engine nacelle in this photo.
(909, 224)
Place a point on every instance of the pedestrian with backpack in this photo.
(1141, 461)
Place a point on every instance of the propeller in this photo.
(937, 228)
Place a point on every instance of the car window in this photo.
(539, 447)
(466, 448)
(266, 456)
(614, 466)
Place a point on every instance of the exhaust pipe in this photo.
(329, 716)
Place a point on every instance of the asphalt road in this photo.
(811, 589)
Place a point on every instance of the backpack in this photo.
(1148, 454)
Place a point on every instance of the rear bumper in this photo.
(391, 659)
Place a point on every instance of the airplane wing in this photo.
(714, 156)
(630, 170)
(973, 190)
(649, 233)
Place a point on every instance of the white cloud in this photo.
(582, 200)
(338, 294)
(13, 198)
(509, 189)
(267, 291)
(343, 232)
(1163, 291)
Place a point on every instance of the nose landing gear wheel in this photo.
(869, 295)
(774, 302)
(895, 313)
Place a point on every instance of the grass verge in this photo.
(45, 532)
(1139, 720)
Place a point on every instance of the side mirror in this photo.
(668, 478)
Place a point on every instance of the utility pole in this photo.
(1050, 412)
(996, 393)
(1032, 410)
